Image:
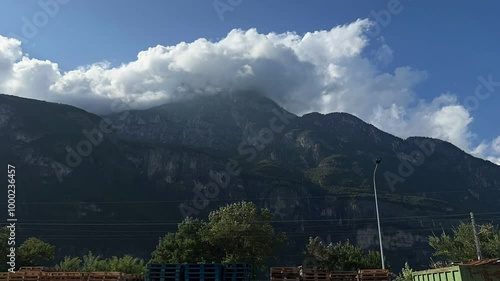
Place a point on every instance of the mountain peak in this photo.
(171, 150)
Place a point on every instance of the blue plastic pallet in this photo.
(237, 272)
(164, 266)
(203, 272)
(164, 272)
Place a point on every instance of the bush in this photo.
(406, 273)
(91, 262)
(69, 264)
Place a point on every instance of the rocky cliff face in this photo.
(116, 189)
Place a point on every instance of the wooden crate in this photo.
(106, 276)
(65, 276)
(374, 275)
(35, 268)
(314, 273)
(40, 275)
(284, 274)
(343, 276)
(134, 277)
(21, 276)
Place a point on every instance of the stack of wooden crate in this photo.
(21, 276)
(38, 274)
(36, 268)
(314, 273)
(113, 276)
(284, 274)
(343, 276)
(66, 276)
(374, 275)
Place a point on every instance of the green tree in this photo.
(4, 248)
(70, 264)
(34, 251)
(239, 232)
(460, 245)
(406, 273)
(341, 256)
(127, 264)
(92, 262)
(185, 246)
(242, 232)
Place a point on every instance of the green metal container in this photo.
(460, 273)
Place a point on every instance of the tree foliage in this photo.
(31, 252)
(91, 262)
(239, 232)
(4, 248)
(242, 232)
(341, 256)
(126, 264)
(34, 251)
(406, 274)
(460, 245)
(69, 264)
(185, 246)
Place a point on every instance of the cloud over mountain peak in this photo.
(324, 71)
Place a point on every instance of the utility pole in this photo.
(377, 162)
(476, 238)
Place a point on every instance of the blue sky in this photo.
(452, 42)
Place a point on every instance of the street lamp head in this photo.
(378, 161)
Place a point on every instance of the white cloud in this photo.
(10, 52)
(324, 71)
(496, 145)
(442, 118)
(489, 150)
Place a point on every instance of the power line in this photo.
(305, 226)
(253, 198)
(288, 235)
(65, 223)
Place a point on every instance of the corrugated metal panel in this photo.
(469, 272)
(451, 273)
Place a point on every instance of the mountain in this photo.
(115, 184)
